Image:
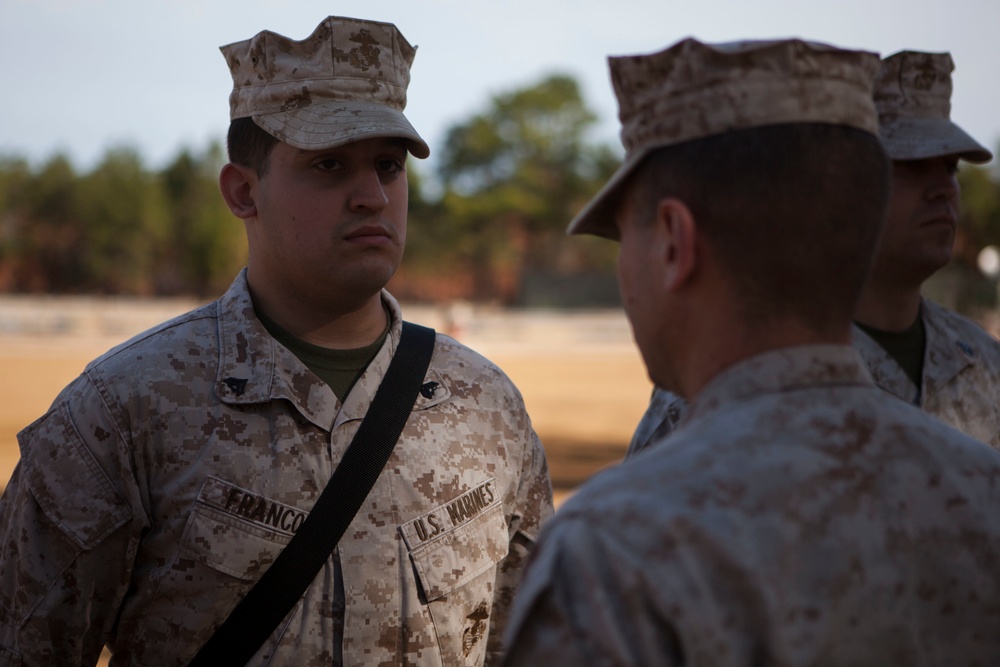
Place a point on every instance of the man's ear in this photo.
(676, 222)
(238, 186)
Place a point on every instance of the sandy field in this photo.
(582, 379)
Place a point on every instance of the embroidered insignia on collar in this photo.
(236, 385)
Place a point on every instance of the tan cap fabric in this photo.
(694, 90)
(345, 82)
(913, 98)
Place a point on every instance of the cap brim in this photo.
(923, 138)
(598, 216)
(321, 126)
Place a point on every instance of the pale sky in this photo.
(82, 76)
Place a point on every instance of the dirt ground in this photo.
(581, 377)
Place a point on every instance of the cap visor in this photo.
(321, 126)
(922, 138)
(598, 216)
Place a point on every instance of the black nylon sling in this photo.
(279, 589)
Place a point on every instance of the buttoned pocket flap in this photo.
(458, 556)
(236, 532)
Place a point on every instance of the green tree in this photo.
(514, 175)
(15, 179)
(45, 228)
(125, 227)
(980, 205)
(206, 246)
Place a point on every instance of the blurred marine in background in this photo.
(924, 354)
(169, 476)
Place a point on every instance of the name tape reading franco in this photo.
(452, 514)
(244, 504)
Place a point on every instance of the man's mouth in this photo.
(371, 233)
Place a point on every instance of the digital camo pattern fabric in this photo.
(801, 516)
(169, 475)
(961, 376)
(961, 381)
(662, 416)
(692, 90)
(913, 99)
(346, 81)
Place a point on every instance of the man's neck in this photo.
(888, 307)
(338, 330)
(717, 353)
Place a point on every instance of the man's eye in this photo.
(393, 166)
(328, 165)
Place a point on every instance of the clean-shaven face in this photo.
(921, 221)
(331, 224)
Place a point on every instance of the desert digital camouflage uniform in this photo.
(168, 476)
(802, 516)
(961, 381)
(961, 377)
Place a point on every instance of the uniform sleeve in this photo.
(581, 603)
(66, 551)
(533, 506)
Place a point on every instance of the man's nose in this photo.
(367, 191)
(944, 183)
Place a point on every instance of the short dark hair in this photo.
(248, 145)
(794, 211)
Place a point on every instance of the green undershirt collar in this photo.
(339, 369)
(905, 347)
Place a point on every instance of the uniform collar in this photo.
(435, 387)
(254, 368)
(791, 368)
(888, 374)
(947, 353)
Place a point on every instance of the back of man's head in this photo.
(792, 212)
(773, 145)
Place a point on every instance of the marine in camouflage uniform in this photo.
(166, 479)
(954, 371)
(959, 381)
(802, 515)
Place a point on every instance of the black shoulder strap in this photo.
(258, 614)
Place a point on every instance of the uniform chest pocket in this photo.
(237, 533)
(455, 550)
(230, 539)
(456, 542)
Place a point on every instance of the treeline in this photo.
(491, 215)
(486, 225)
(118, 229)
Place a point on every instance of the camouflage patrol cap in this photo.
(913, 98)
(345, 82)
(694, 90)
